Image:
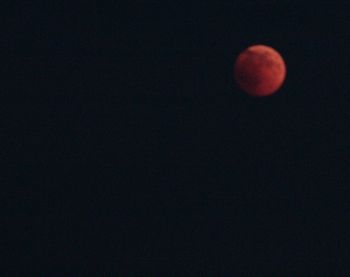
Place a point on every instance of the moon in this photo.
(259, 70)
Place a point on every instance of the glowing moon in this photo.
(259, 70)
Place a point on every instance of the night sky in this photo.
(133, 152)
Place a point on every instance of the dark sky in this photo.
(133, 152)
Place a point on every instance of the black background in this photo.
(132, 151)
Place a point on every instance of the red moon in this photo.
(259, 70)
